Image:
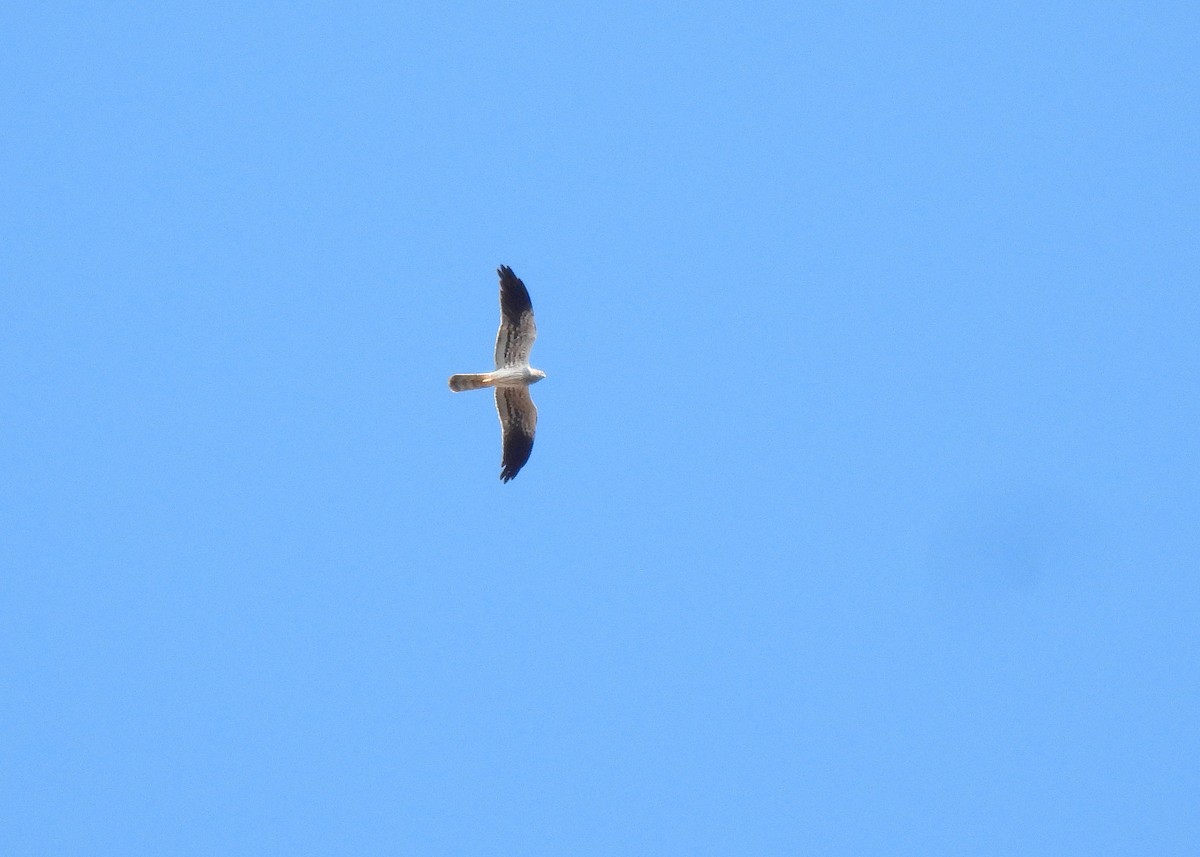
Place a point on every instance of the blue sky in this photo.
(863, 513)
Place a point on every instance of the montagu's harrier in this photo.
(513, 375)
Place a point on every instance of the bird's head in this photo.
(536, 375)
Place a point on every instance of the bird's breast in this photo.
(515, 376)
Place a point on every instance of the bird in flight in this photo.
(513, 375)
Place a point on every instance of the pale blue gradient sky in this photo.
(863, 512)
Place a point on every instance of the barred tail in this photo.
(458, 383)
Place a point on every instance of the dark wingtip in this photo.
(514, 297)
(518, 448)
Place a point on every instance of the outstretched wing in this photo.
(518, 421)
(517, 330)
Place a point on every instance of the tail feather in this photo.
(458, 383)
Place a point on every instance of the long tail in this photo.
(458, 383)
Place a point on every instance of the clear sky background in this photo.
(862, 518)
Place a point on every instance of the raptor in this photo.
(513, 374)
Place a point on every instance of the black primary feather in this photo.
(514, 297)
